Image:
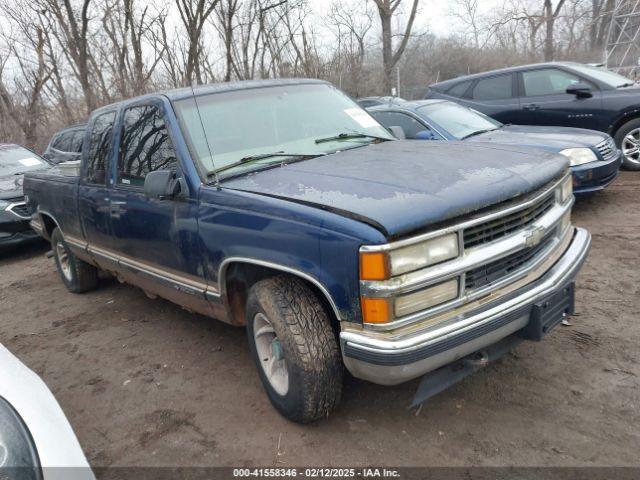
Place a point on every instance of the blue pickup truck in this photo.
(284, 207)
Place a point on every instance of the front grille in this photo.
(607, 148)
(500, 227)
(20, 209)
(491, 272)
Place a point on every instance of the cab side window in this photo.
(494, 88)
(100, 148)
(550, 81)
(145, 147)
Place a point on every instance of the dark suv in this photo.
(558, 93)
(65, 145)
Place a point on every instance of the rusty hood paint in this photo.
(404, 186)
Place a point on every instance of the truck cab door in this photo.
(156, 239)
(93, 192)
(544, 100)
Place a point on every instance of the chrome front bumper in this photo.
(389, 359)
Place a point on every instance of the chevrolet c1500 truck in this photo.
(283, 206)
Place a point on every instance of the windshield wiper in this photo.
(628, 84)
(262, 156)
(478, 132)
(348, 136)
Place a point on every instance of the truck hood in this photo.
(403, 186)
(553, 139)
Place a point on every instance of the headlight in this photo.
(383, 265)
(3, 204)
(566, 189)
(578, 156)
(16, 446)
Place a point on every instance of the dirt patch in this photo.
(143, 382)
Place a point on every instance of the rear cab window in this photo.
(145, 146)
(100, 145)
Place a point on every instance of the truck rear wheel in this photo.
(77, 275)
(294, 347)
(628, 140)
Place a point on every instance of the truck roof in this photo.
(187, 92)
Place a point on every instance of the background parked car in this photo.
(367, 102)
(14, 214)
(557, 93)
(594, 158)
(66, 145)
(36, 440)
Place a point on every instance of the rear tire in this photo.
(628, 140)
(77, 275)
(294, 347)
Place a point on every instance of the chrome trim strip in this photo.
(470, 259)
(151, 270)
(467, 223)
(564, 269)
(227, 261)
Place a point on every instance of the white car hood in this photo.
(54, 438)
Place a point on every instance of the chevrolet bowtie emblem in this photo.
(533, 235)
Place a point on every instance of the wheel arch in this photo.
(238, 274)
(627, 116)
(49, 223)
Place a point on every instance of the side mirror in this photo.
(164, 184)
(580, 90)
(425, 135)
(397, 132)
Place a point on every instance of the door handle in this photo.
(531, 107)
(115, 208)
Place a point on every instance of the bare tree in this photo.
(550, 13)
(386, 10)
(351, 23)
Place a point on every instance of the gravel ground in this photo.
(145, 383)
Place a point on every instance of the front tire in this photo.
(77, 275)
(294, 347)
(628, 140)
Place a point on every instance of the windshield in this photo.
(15, 160)
(251, 123)
(603, 75)
(459, 121)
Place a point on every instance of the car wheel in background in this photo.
(294, 347)
(628, 140)
(77, 275)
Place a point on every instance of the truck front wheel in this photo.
(294, 347)
(78, 276)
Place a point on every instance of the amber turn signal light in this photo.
(375, 310)
(374, 266)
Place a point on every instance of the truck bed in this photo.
(56, 194)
